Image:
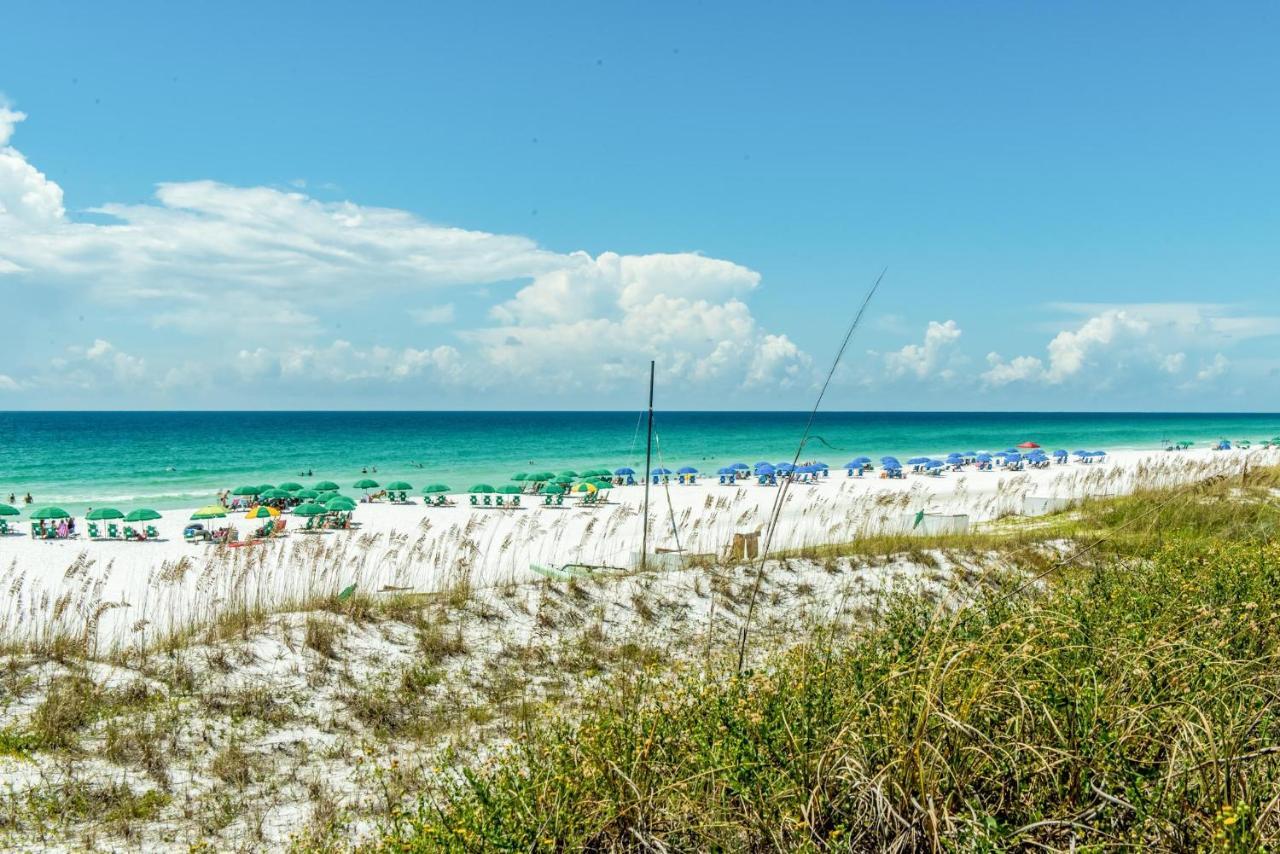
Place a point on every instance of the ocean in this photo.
(180, 459)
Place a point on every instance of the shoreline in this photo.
(123, 593)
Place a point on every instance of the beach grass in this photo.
(1125, 699)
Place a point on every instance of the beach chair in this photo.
(93, 531)
(36, 533)
(128, 533)
(475, 502)
(112, 531)
(152, 533)
(559, 500)
(515, 501)
(547, 500)
(498, 500)
(488, 502)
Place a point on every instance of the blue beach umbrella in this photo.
(917, 461)
(1060, 453)
(661, 471)
(740, 467)
(1099, 453)
(764, 468)
(1015, 457)
(983, 458)
(625, 470)
(727, 470)
(890, 461)
(785, 467)
(933, 464)
(954, 458)
(687, 470)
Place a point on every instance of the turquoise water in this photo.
(180, 459)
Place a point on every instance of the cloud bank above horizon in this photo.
(260, 280)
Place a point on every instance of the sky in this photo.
(516, 206)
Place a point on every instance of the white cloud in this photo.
(434, 315)
(1173, 363)
(8, 383)
(92, 366)
(246, 264)
(1070, 350)
(26, 195)
(1216, 367)
(922, 360)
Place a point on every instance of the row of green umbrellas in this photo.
(142, 514)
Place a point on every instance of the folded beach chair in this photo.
(474, 501)
(547, 500)
(498, 500)
(93, 531)
(35, 530)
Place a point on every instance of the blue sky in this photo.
(392, 206)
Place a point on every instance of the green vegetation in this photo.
(1127, 699)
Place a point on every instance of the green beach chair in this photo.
(475, 502)
(498, 501)
(152, 533)
(487, 501)
(4, 527)
(559, 500)
(93, 531)
(128, 533)
(515, 501)
(547, 500)
(112, 531)
(35, 530)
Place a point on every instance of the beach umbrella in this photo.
(857, 462)
(246, 490)
(142, 514)
(1060, 453)
(9, 510)
(1027, 445)
(339, 503)
(552, 489)
(740, 467)
(309, 509)
(213, 511)
(954, 458)
(264, 487)
(290, 486)
(520, 475)
(326, 486)
(662, 471)
(365, 483)
(784, 467)
(623, 471)
(568, 473)
(917, 461)
(809, 469)
(933, 464)
(726, 470)
(585, 486)
(562, 480)
(261, 511)
(541, 476)
(764, 468)
(970, 453)
(509, 489)
(687, 470)
(602, 484)
(274, 495)
(104, 513)
(891, 462)
(983, 457)
(51, 513)
(1013, 458)
(306, 494)
(435, 488)
(481, 487)
(400, 486)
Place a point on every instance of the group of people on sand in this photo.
(63, 530)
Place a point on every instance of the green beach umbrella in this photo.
(274, 494)
(142, 514)
(104, 513)
(603, 484)
(306, 493)
(481, 487)
(246, 490)
(435, 488)
(541, 476)
(309, 510)
(563, 480)
(265, 487)
(510, 489)
(340, 503)
(51, 513)
(213, 511)
(585, 486)
(400, 486)
(9, 510)
(568, 473)
(520, 475)
(326, 486)
(366, 483)
(290, 486)
(552, 489)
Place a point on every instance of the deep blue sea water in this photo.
(177, 459)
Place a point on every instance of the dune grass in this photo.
(1127, 699)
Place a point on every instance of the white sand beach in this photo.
(121, 593)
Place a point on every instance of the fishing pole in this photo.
(778, 499)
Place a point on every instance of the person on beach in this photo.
(28, 499)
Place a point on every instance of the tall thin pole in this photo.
(648, 467)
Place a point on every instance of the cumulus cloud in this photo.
(247, 263)
(26, 195)
(923, 360)
(90, 366)
(1216, 367)
(1070, 350)
(8, 383)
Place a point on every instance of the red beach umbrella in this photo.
(1028, 445)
